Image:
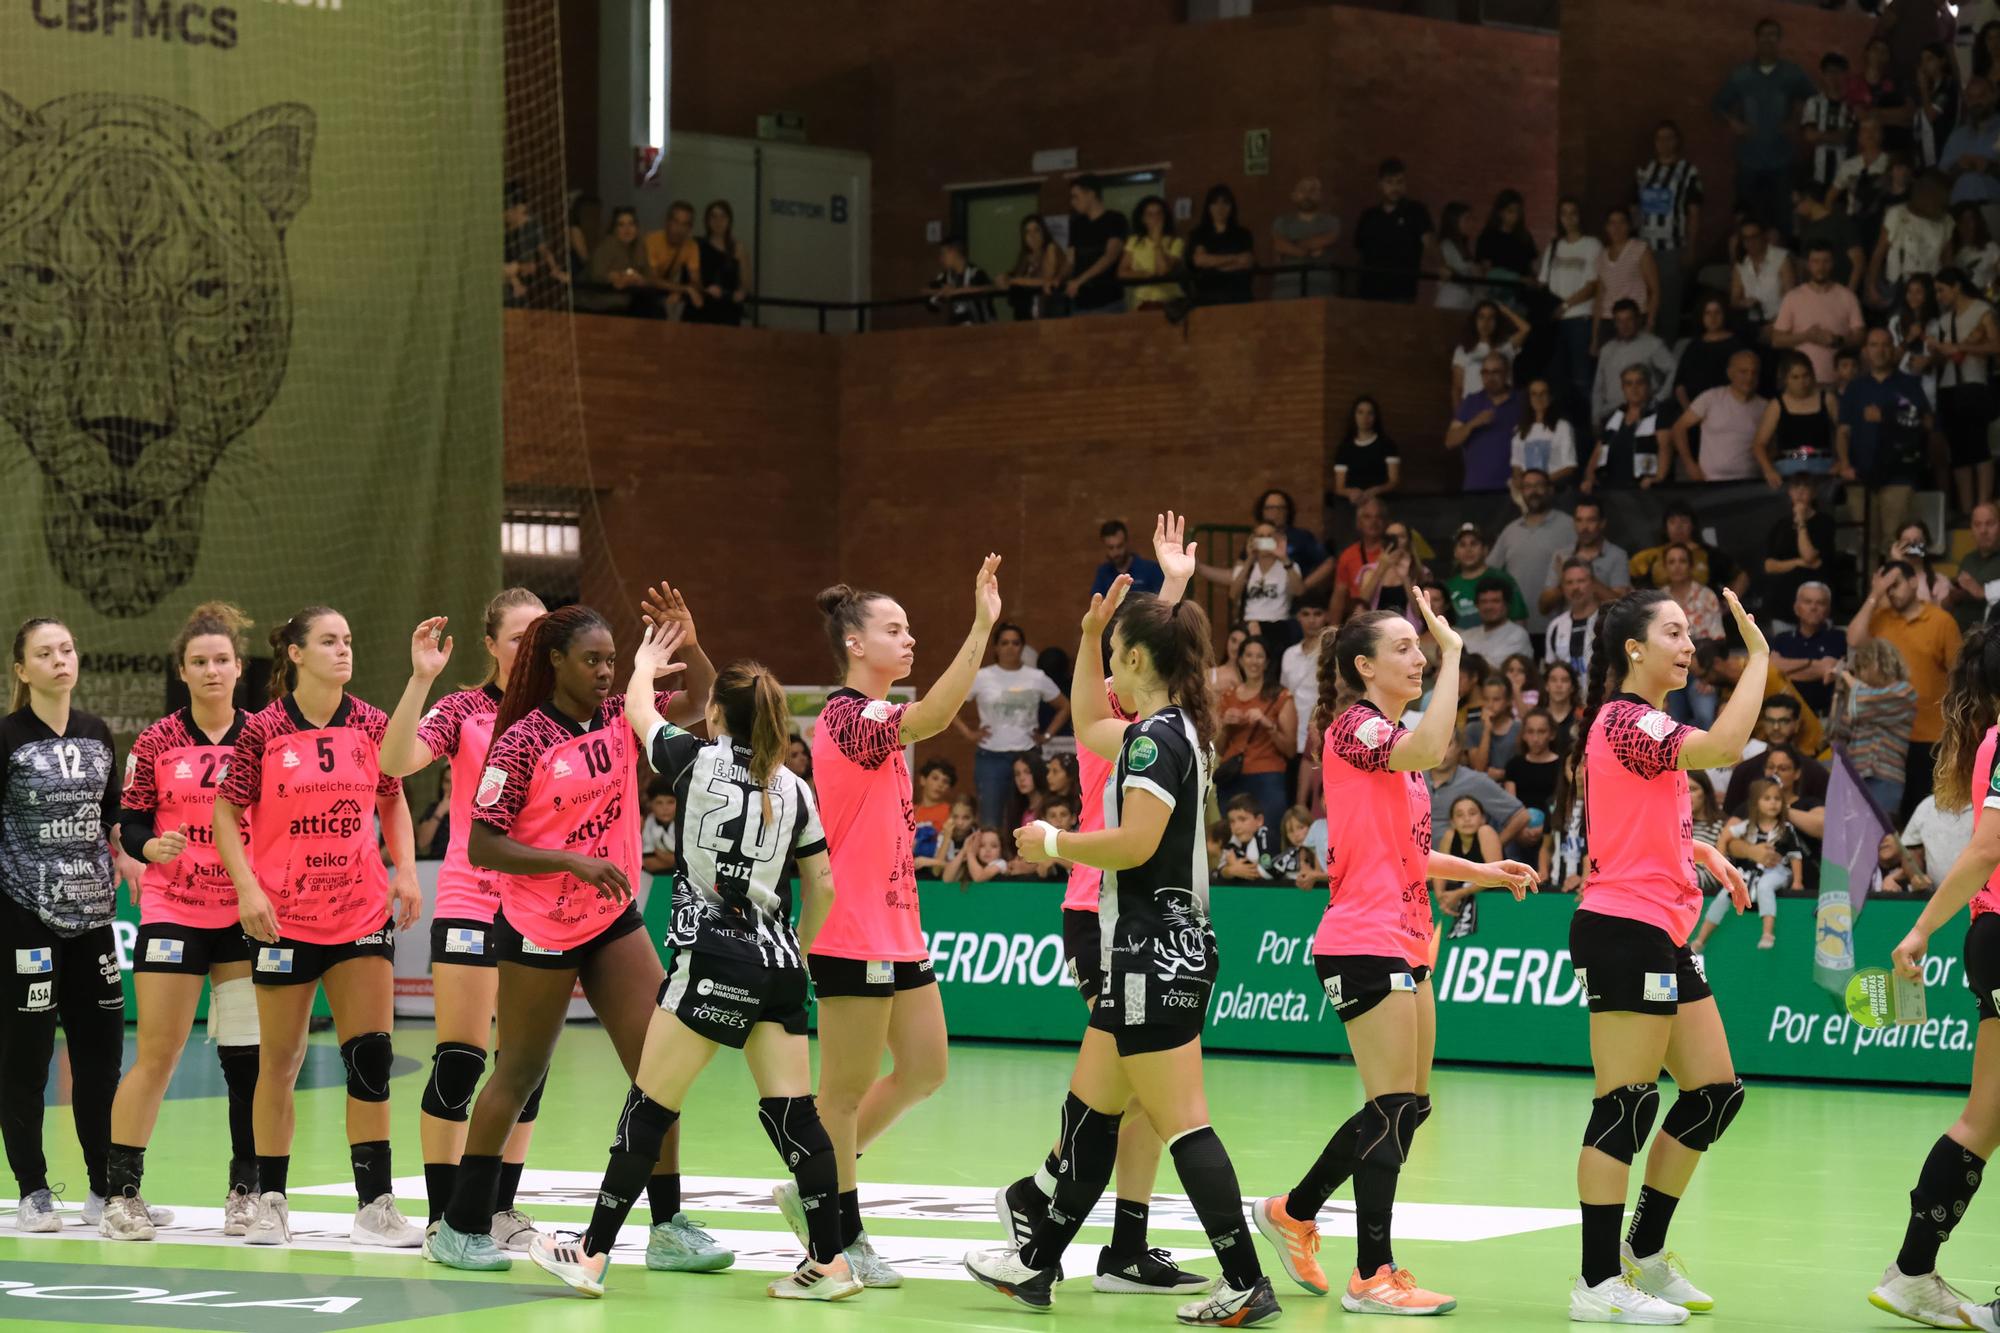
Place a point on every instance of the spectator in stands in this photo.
(528, 264)
(1704, 361)
(1535, 770)
(961, 288)
(1796, 551)
(1629, 345)
(1818, 316)
(1458, 247)
(1262, 586)
(1153, 252)
(1973, 247)
(980, 859)
(1392, 581)
(1729, 418)
(1811, 652)
(1917, 237)
(1526, 679)
(1777, 730)
(1452, 781)
(1277, 508)
(1886, 425)
(1797, 434)
(1298, 673)
(1006, 695)
(1979, 39)
(1568, 271)
(1120, 558)
(1873, 710)
(1818, 224)
(1960, 342)
(1221, 253)
(586, 229)
(1913, 544)
(1038, 270)
(1027, 793)
(799, 758)
(1493, 734)
(1629, 452)
(1258, 726)
(1668, 197)
(620, 274)
(1366, 465)
(931, 807)
(1862, 187)
(1506, 246)
(1711, 566)
(1703, 607)
(1252, 845)
(1928, 639)
(1562, 700)
(1569, 634)
(1096, 240)
(960, 828)
(1626, 272)
(1758, 100)
(1305, 235)
(1371, 515)
(725, 270)
(1481, 338)
(1934, 839)
(1972, 153)
(1483, 428)
(1470, 569)
(1392, 237)
(1222, 676)
(1530, 547)
(1977, 587)
(676, 261)
(1938, 97)
(1826, 121)
(1885, 94)
(1543, 441)
(1762, 274)
(1610, 565)
(656, 832)
(1061, 776)
(1495, 637)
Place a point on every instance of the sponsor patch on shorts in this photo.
(1402, 981)
(166, 951)
(40, 995)
(530, 947)
(274, 960)
(29, 961)
(464, 939)
(1700, 967)
(1333, 998)
(1661, 986)
(1135, 1000)
(878, 974)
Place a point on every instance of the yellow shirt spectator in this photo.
(1149, 257)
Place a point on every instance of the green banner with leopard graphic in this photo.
(250, 335)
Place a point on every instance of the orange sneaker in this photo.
(1392, 1291)
(1296, 1243)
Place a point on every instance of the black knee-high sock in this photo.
(1600, 1240)
(372, 1175)
(1327, 1174)
(1128, 1226)
(1210, 1179)
(273, 1173)
(439, 1178)
(239, 1074)
(510, 1184)
(470, 1209)
(1945, 1186)
(850, 1217)
(819, 1185)
(124, 1167)
(663, 1196)
(1648, 1233)
(1374, 1206)
(642, 1128)
(1087, 1153)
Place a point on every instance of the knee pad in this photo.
(455, 1070)
(1420, 1111)
(794, 1127)
(1621, 1119)
(1388, 1123)
(642, 1126)
(232, 1012)
(368, 1058)
(1087, 1151)
(1699, 1115)
(533, 1106)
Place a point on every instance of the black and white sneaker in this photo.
(1003, 1271)
(1147, 1273)
(1226, 1307)
(1020, 1208)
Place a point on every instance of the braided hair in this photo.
(1627, 618)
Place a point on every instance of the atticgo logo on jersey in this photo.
(561, 768)
(182, 770)
(274, 960)
(40, 994)
(491, 783)
(166, 951)
(28, 961)
(464, 939)
(1402, 981)
(291, 759)
(79, 825)
(1662, 986)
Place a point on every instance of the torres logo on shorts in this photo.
(727, 1018)
(1656, 724)
(1141, 753)
(34, 960)
(1181, 999)
(39, 995)
(274, 960)
(464, 939)
(1662, 986)
(491, 783)
(166, 951)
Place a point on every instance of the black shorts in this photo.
(723, 998)
(1083, 951)
(852, 978)
(1629, 967)
(1356, 982)
(464, 941)
(510, 946)
(297, 963)
(1982, 964)
(188, 951)
(1145, 1013)
(54, 972)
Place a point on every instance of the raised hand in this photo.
(664, 605)
(1175, 560)
(1448, 639)
(986, 593)
(1746, 624)
(1104, 605)
(654, 657)
(430, 649)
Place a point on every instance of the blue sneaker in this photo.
(475, 1253)
(681, 1246)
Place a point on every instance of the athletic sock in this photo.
(1045, 1174)
(1648, 1233)
(850, 1217)
(470, 1211)
(438, 1180)
(510, 1182)
(124, 1167)
(273, 1173)
(1374, 1206)
(1327, 1174)
(624, 1177)
(372, 1177)
(1210, 1179)
(663, 1196)
(1600, 1240)
(1128, 1226)
(239, 1074)
(1945, 1187)
(819, 1185)
(243, 1174)
(642, 1128)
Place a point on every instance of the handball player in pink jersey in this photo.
(188, 925)
(464, 957)
(870, 968)
(319, 908)
(1650, 1005)
(1128, 1265)
(556, 817)
(1952, 1169)
(1372, 951)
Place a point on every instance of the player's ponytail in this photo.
(213, 618)
(28, 627)
(846, 612)
(1177, 639)
(1340, 680)
(1971, 699)
(291, 634)
(753, 709)
(507, 599)
(1626, 619)
(533, 680)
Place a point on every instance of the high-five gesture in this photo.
(430, 649)
(1746, 624)
(1176, 561)
(1104, 605)
(654, 657)
(664, 605)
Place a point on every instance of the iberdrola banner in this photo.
(249, 321)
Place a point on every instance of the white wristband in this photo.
(1049, 832)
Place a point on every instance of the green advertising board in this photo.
(1506, 994)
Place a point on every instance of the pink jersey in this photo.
(1378, 843)
(863, 786)
(459, 727)
(312, 835)
(172, 775)
(1092, 773)
(550, 783)
(1638, 828)
(1985, 796)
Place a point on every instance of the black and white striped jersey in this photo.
(1154, 916)
(732, 893)
(1664, 191)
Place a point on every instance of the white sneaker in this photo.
(238, 1212)
(1665, 1276)
(513, 1230)
(1923, 1299)
(1616, 1301)
(817, 1282)
(870, 1267)
(124, 1218)
(793, 1210)
(1985, 1317)
(564, 1256)
(37, 1212)
(381, 1224)
(93, 1211)
(274, 1221)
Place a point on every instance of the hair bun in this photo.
(832, 599)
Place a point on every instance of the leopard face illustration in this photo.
(145, 318)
